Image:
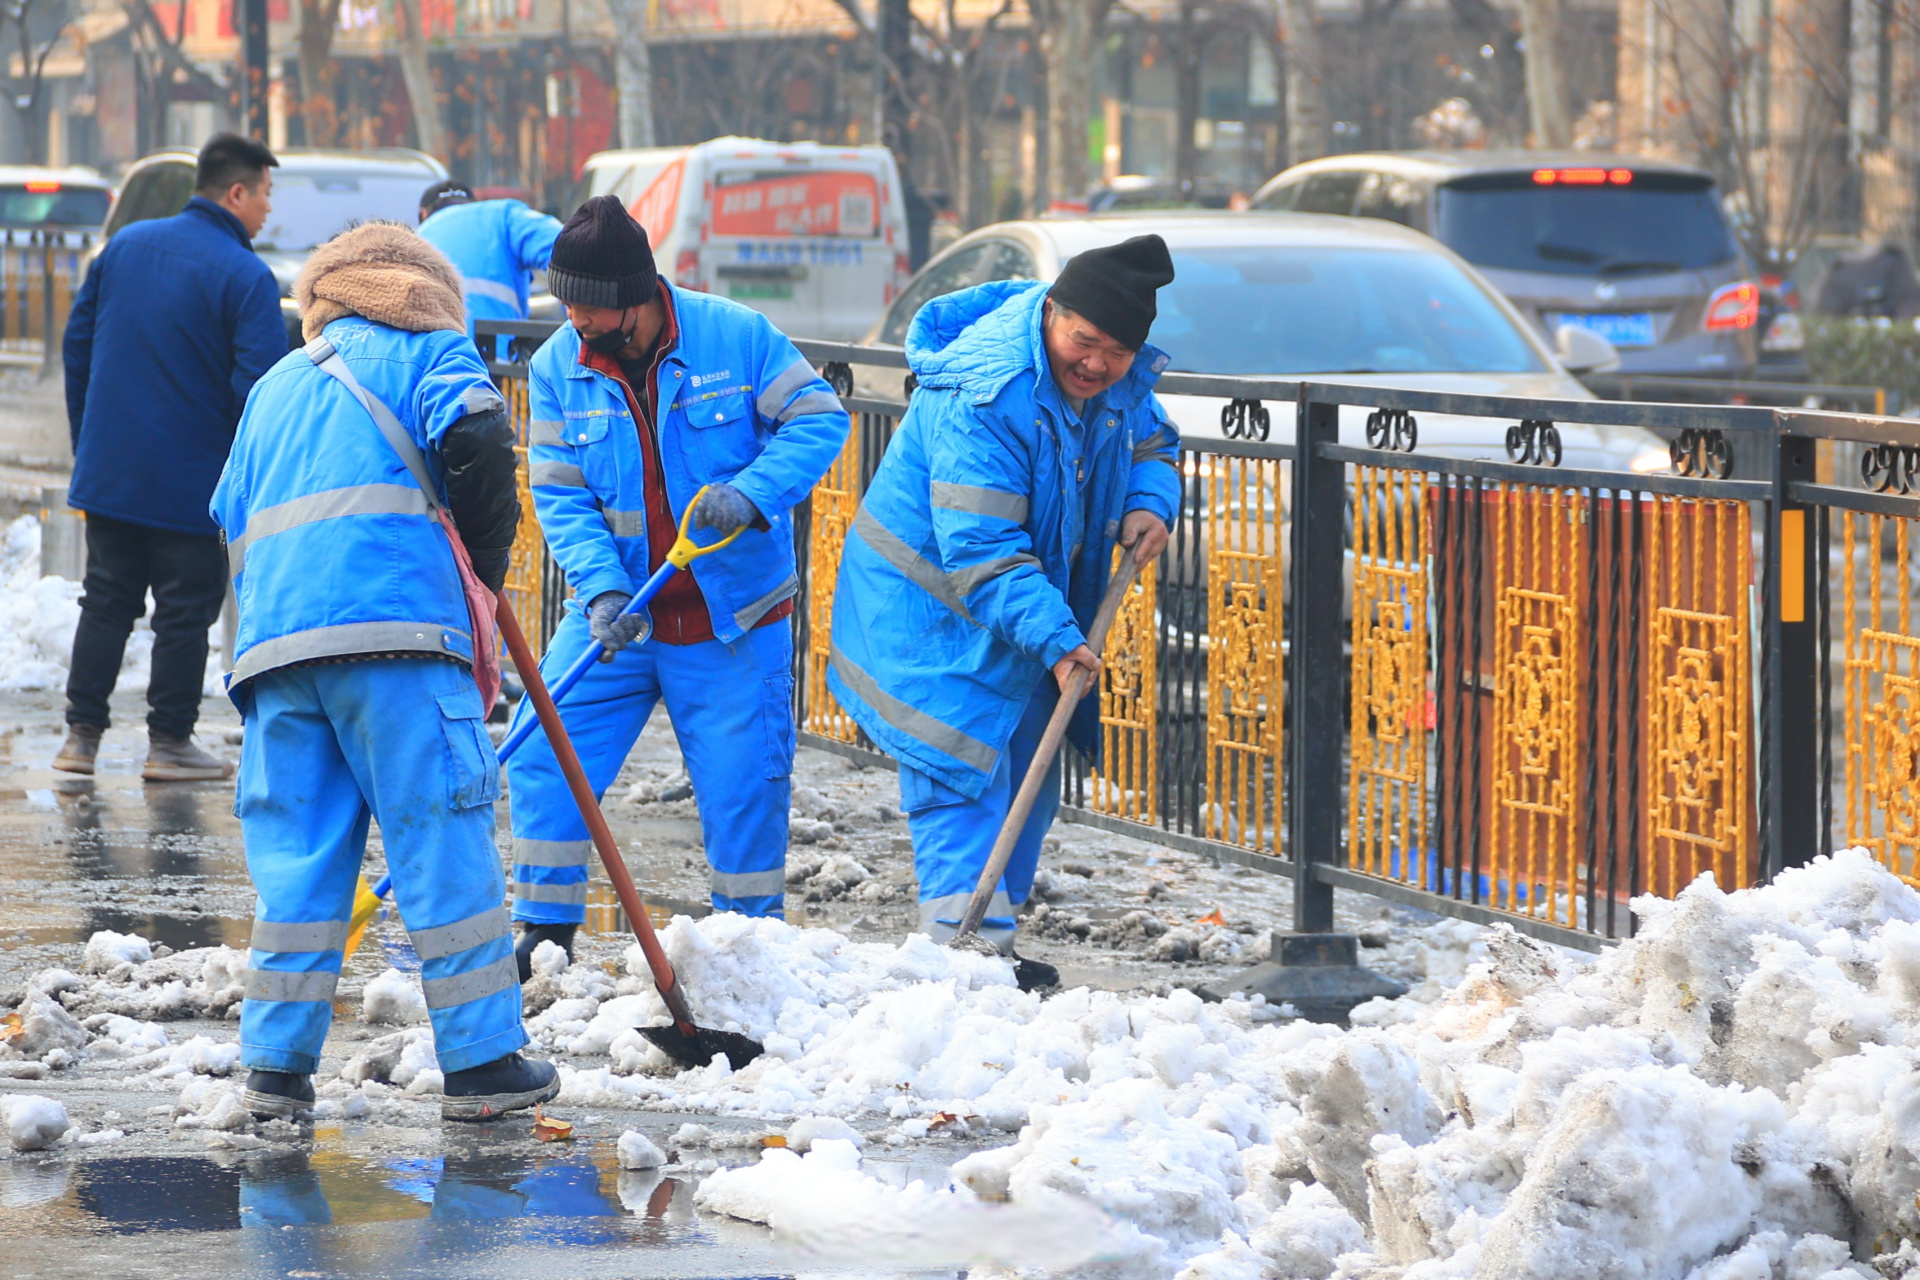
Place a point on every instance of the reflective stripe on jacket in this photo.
(960, 586)
(329, 541)
(495, 245)
(737, 404)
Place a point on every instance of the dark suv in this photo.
(1635, 250)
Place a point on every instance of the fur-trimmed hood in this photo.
(385, 272)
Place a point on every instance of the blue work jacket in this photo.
(330, 542)
(176, 319)
(737, 405)
(495, 245)
(980, 552)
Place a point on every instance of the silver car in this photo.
(1637, 251)
(1333, 299)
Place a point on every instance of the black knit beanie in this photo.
(601, 258)
(1114, 287)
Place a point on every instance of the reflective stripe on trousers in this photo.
(321, 740)
(732, 709)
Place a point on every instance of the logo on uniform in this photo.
(702, 379)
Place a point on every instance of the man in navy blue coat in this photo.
(177, 319)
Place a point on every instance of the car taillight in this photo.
(1733, 306)
(686, 269)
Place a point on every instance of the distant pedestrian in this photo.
(177, 319)
(496, 245)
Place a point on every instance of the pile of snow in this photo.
(123, 977)
(822, 1203)
(395, 998)
(33, 1123)
(636, 1150)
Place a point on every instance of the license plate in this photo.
(760, 290)
(1622, 329)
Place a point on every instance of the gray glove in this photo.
(610, 627)
(724, 509)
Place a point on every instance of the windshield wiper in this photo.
(1627, 266)
(1565, 253)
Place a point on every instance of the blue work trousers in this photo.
(327, 747)
(732, 711)
(953, 836)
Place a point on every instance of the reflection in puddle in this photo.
(292, 1188)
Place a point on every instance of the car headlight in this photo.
(1649, 461)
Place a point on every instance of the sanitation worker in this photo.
(645, 397)
(354, 666)
(981, 550)
(495, 245)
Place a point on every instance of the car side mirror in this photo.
(1584, 351)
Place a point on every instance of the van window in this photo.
(787, 202)
(1329, 192)
(157, 191)
(955, 271)
(311, 208)
(52, 204)
(1658, 222)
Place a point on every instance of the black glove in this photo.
(723, 509)
(610, 627)
(482, 490)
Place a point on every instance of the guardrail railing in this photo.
(40, 272)
(1498, 688)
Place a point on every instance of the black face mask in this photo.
(610, 343)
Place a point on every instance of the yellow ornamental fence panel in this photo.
(1126, 784)
(1881, 697)
(1390, 711)
(526, 565)
(835, 500)
(1242, 539)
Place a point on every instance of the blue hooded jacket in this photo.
(495, 245)
(177, 319)
(969, 570)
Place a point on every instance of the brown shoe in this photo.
(179, 760)
(77, 752)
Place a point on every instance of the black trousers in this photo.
(187, 574)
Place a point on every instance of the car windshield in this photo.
(1653, 224)
(52, 204)
(310, 208)
(1284, 310)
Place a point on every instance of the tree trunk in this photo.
(1306, 87)
(1069, 45)
(312, 108)
(1189, 51)
(1547, 110)
(633, 71)
(417, 71)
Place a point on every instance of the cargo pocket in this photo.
(777, 711)
(920, 792)
(473, 771)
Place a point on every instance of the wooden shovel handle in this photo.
(663, 975)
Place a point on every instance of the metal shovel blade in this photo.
(704, 1045)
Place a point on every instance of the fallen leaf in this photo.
(1213, 917)
(774, 1140)
(12, 1028)
(945, 1120)
(547, 1129)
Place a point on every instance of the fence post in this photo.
(49, 335)
(1314, 676)
(1792, 745)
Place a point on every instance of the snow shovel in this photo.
(682, 553)
(966, 938)
(685, 1043)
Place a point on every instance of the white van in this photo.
(813, 237)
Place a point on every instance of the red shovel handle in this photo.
(529, 671)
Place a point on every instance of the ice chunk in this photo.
(395, 999)
(107, 950)
(636, 1150)
(33, 1122)
(807, 1130)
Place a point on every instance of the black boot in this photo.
(1033, 975)
(493, 1088)
(532, 935)
(277, 1095)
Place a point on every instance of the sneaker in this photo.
(80, 748)
(277, 1095)
(179, 760)
(1033, 975)
(494, 1088)
(532, 935)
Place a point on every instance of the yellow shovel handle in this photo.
(685, 550)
